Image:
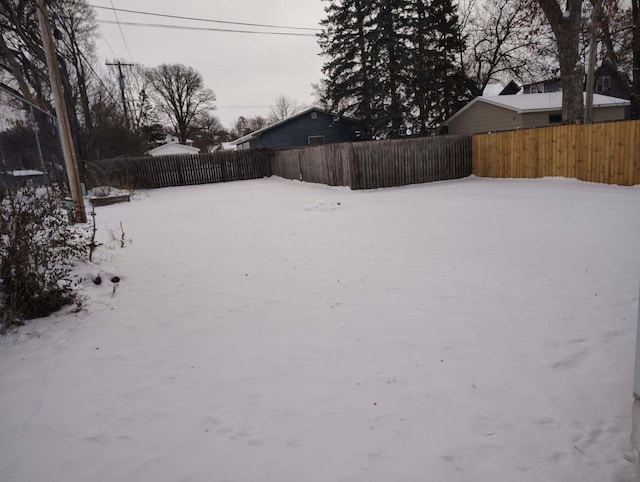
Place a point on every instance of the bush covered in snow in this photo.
(37, 248)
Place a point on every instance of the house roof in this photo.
(259, 132)
(525, 103)
(186, 149)
(25, 172)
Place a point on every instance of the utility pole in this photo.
(121, 82)
(64, 128)
(593, 45)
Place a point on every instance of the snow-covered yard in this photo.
(270, 330)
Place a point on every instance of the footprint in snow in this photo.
(323, 206)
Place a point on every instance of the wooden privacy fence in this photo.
(606, 153)
(180, 170)
(362, 165)
(374, 164)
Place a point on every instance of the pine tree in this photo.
(391, 46)
(437, 83)
(392, 63)
(351, 79)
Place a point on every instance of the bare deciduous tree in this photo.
(179, 94)
(619, 31)
(209, 132)
(284, 107)
(245, 125)
(503, 41)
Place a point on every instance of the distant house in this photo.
(608, 81)
(24, 176)
(310, 127)
(542, 87)
(510, 89)
(226, 146)
(173, 148)
(510, 112)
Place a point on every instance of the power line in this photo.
(98, 77)
(106, 42)
(242, 106)
(206, 19)
(126, 46)
(184, 27)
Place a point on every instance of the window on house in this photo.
(316, 140)
(603, 84)
(536, 89)
(314, 115)
(555, 119)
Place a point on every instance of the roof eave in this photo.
(259, 132)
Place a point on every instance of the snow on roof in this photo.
(228, 146)
(524, 103)
(171, 146)
(25, 172)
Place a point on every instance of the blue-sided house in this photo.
(310, 127)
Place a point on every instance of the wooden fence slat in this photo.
(606, 153)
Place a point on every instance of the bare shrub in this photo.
(38, 246)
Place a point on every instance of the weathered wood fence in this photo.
(606, 153)
(374, 164)
(180, 170)
(363, 165)
(327, 164)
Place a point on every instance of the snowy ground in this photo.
(270, 330)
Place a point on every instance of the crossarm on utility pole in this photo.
(122, 85)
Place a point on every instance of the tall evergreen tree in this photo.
(394, 63)
(449, 86)
(351, 74)
(391, 48)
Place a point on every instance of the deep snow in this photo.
(272, 330)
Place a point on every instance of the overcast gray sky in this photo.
(243, 69)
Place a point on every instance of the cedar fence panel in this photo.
(606, 153)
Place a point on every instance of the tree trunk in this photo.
(635, 90)
(566, 29)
